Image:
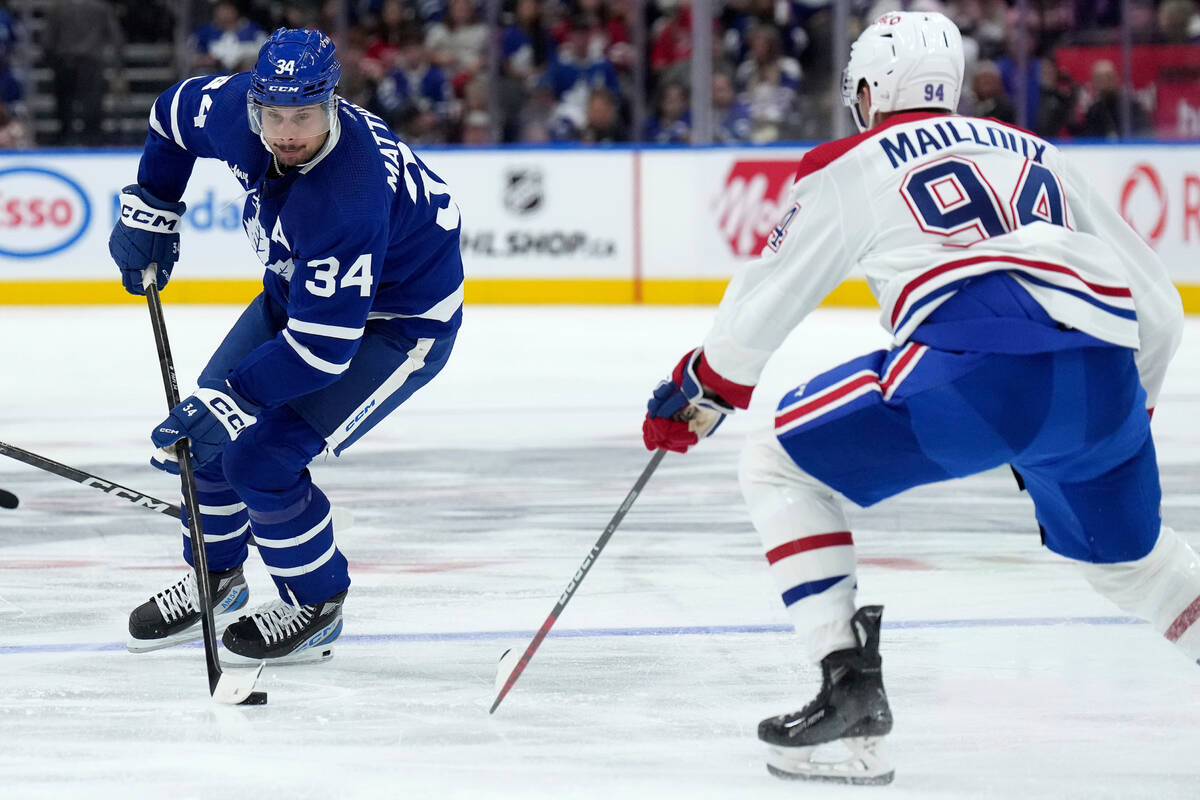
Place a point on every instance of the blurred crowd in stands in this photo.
(569, 70)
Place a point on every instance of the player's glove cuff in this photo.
(234, 412)
(141, 209)
(701, 385)
(706, 388)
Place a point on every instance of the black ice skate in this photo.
(172, 616)
(282, 633)
(850, 713)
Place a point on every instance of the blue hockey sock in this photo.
(223, 517)
(296, 544)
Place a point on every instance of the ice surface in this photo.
(474, 504)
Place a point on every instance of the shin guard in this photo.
(1163, 588)
(807, 542)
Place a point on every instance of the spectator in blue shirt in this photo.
(229, 43)
(673, 122)
(414, 97)
(573, 75)
(11, 90)
(731, 117)
(768, 81)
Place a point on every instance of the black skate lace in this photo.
(280, 619)
(178, 599)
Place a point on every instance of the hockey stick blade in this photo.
(578, 577)
(237, 688)
(8, 499)
(87, 479)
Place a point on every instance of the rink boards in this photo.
(557, 225)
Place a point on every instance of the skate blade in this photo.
(853, 761)
(192, 633)
(309, 655)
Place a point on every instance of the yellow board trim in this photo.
(483, 291)
(107, 293)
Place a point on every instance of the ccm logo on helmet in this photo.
(283, 88)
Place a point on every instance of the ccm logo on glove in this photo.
(226, 410)
(136, 213)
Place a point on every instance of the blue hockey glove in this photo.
(211, 418)
(691, 405)
(147, 233)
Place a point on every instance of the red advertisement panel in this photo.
(1165, 77)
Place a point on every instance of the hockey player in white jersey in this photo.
(1031, 327)
(361, 303)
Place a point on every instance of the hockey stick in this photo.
(224, 687)
(8, 499)
(79, 476)
(577, 579)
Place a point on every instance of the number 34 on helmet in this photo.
(296, 69)
(908, 59)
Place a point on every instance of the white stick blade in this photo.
(235, 687)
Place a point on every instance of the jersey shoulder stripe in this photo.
(825, 154)
(200, 114)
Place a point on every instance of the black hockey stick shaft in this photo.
(87, 479)
(188, 478)
(580, 574)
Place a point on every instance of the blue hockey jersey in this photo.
(364, 232)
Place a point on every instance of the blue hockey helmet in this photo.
(295, 68)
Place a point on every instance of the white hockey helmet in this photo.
(909, 59)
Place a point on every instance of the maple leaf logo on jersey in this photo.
(255, 233)
(752, 203)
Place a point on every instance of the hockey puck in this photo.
(8, 499)
(255, 699)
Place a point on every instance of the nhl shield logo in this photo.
(523, 191)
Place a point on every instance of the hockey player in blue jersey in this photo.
(1030, 326)
(361, 301)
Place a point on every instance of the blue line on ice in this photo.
(593, 633)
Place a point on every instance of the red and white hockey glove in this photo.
(690, 405)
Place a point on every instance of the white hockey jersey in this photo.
(926, 201)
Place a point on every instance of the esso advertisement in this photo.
(42, 212)
(57, 211)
